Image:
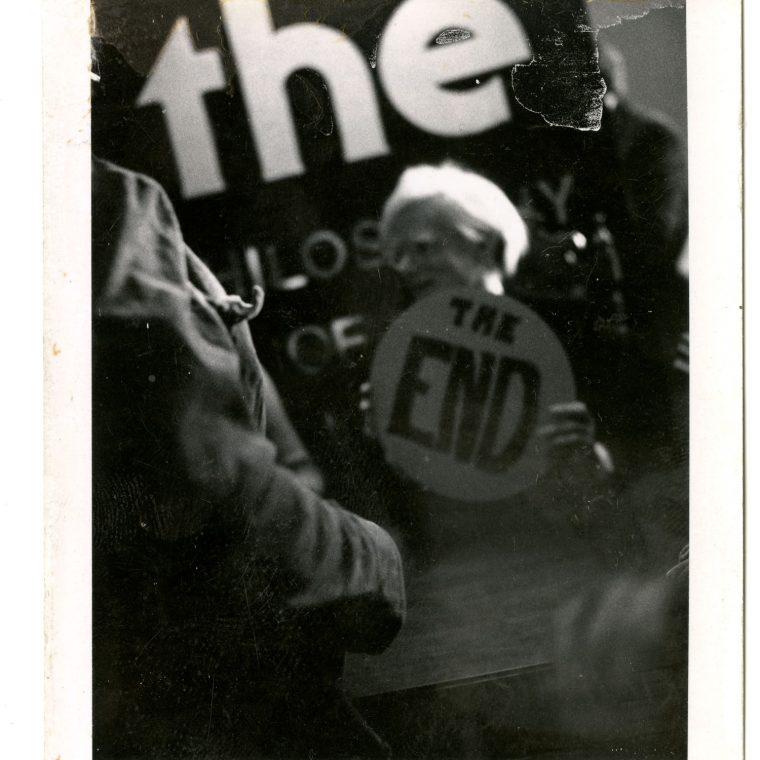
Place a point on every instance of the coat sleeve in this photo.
(172, 403)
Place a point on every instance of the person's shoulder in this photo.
(110, 177)
(137, 200)
(134, 225)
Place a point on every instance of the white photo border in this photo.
(716, 320)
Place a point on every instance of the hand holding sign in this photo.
(462, 383)
(569, 441)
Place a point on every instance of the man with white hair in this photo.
(446, 226)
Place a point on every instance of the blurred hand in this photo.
(630, 625)
(569, 443)
(620, 661)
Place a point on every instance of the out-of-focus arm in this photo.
(169, 405)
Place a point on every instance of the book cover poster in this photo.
(385, 384)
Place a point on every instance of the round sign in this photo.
(461, 383)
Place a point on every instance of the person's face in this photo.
(430, 253)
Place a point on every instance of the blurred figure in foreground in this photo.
(225, 592)
(622, 647)
(621, 660)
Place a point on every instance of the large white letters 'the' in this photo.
(414, 72)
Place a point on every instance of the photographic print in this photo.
(390, 379)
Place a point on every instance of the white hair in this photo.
(478, 201)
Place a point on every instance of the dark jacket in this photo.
(224, 593)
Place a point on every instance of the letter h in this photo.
(266, 58)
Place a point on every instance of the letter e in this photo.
(414, 72)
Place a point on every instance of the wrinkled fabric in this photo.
(211, 563)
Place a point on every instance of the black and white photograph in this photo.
(389, 399)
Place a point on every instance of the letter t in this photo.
(177, 83)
